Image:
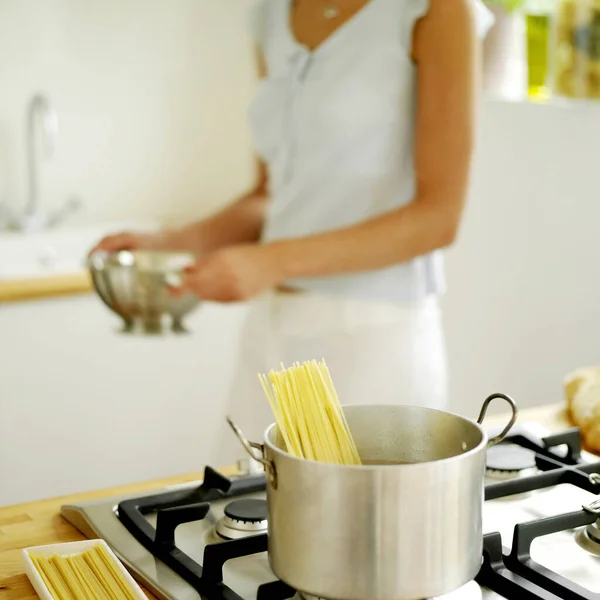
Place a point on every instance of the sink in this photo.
(54, 252)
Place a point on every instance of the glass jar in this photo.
(575, 50)
(538, 14)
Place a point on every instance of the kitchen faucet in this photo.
(34, 218)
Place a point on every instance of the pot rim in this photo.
(464, 456)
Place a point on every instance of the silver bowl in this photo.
(135, 285)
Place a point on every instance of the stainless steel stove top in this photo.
(559, 552)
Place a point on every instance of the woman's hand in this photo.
(233, 274)
(128, 241)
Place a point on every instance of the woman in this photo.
(364, 123)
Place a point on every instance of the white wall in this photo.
(151, 97)
(84, 407)
(524, 298)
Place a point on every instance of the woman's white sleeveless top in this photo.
(336, 129)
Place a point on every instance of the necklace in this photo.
(331, 12)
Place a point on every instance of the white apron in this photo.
(377, 352)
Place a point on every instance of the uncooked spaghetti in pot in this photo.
(308, 413)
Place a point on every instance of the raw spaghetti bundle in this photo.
(91, 575)
(308, 413)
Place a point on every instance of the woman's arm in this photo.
(445, 51)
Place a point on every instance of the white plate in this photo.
(67, 550)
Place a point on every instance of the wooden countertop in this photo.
(39, 523)
(13, 290)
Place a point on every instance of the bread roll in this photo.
(591, 431)
(582, 389)
(574, 381)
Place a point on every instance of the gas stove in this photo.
(209, 539)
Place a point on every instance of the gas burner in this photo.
(588, 538)
(506, 461)
(243, 518)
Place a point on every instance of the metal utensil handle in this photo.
(594, 507)
(515, 413)
(250, 448)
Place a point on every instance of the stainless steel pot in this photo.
(402, 531)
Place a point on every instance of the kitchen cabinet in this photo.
(85, 407)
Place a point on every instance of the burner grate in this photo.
(277, 590)
(513, 572)
(176, 508)
(520, 562)
(495, 574)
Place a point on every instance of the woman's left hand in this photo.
(233, 274)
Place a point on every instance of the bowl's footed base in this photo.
(152, 327)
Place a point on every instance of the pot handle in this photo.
(515, 413)
(256, 452)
